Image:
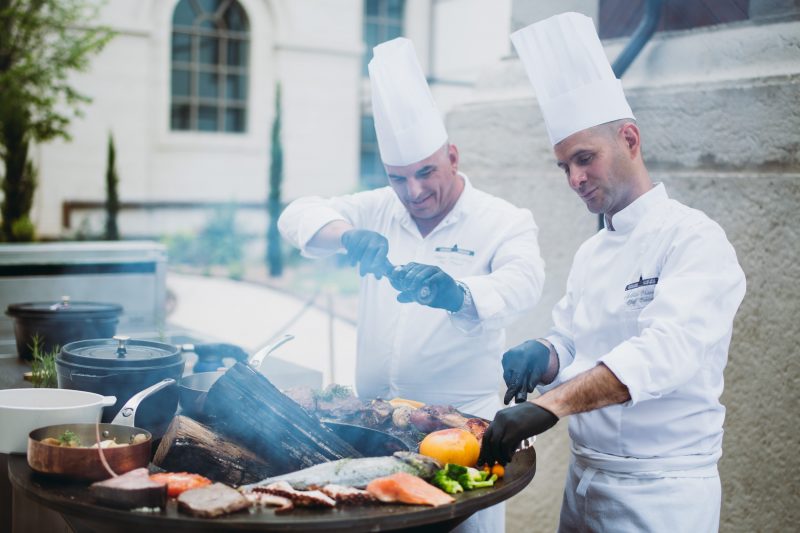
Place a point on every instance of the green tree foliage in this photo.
(19, 180)
(112, 198)
(41, 43)
(274, 255)
(219, 243)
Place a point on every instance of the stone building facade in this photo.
(719, 111)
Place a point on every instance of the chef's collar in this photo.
(625, 220)
(461, 206)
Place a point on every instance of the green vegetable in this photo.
(68, 438)
(447, 484)
(466, 478)
(475, 479)
(333, 392)
(43, 367)
(454, 471)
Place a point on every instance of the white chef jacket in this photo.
(418, 352)
(654, 301)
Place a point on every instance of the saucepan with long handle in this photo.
(84, 462)
(194, 387)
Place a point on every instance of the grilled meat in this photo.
(348, 495)
(435, 417)
(304, 397)
(374, 415)
(477, 426)
(212, 501)
(263, 499)
(300, 498)
(131, 490)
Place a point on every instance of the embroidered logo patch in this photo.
(455, 250)
(641, 283)
(640, 293)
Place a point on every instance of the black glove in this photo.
(368, 249)
(523, 368)
(510, 427)
(444, 291)
(210, 355)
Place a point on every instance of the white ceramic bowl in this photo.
(23, 410)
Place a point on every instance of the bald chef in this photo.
(641, 337)
(476, 254)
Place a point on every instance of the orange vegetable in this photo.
(453, 445)
(179, 482)
(497, 470)
(397, 402)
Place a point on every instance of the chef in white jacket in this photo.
(640, 339)
(477, 254)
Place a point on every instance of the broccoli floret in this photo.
(475, 479)
(447, 484)
(455, 471)
(466, 478)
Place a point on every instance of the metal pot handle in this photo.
(127, 414)
(258, 358)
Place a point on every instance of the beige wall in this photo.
(722, 130)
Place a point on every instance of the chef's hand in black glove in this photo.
(523, 368)
(220, 349)
(510, 427)
(444, 291)
(368, 249)
(210, 355)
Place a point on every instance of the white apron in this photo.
(633, 496)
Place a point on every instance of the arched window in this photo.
(210, 41)
(383, 21)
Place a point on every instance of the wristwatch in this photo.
(467, 304)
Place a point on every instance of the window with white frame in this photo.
(210, 41)
(383, 21)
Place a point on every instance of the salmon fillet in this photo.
(405, 488)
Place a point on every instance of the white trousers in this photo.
(669, 502)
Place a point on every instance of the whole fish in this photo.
(355, 472)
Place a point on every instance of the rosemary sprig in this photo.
(43, 367)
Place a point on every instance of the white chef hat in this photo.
(570, 73)
(407, 123)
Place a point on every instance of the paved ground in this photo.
(252, 315)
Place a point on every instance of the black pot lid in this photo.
(120, 352)
(66, 309)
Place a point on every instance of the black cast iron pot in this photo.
(59, 323)
(122, 367)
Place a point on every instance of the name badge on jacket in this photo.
(640, 293)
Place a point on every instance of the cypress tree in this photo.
(112, 198)
(274, 255)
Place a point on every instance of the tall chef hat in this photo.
(570, 73)
(407, 123)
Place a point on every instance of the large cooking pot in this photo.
(122, 367)
(59, 323)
